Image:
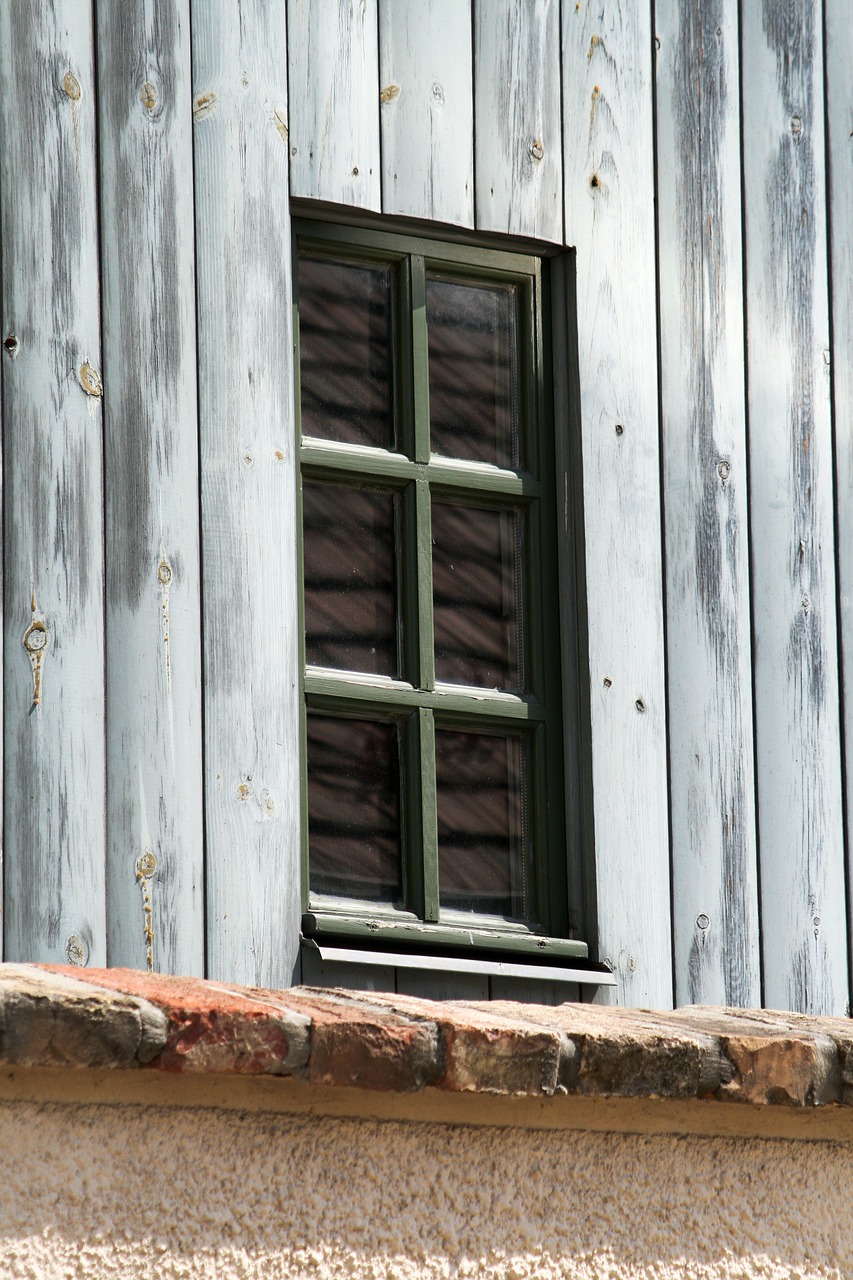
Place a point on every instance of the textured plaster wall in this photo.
(105, 1191)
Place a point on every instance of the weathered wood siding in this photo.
(609, 213)
(695, 156)
(53, 608)
(703, 420)
(153, 624)
(798, 757)
(248, 478)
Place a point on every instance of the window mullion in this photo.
(420, 359)
(426, 648)
(429, 813)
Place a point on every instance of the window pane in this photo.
(476, 572)
(354, 808)
(345, 352)
(350, 606)
(473, 376)
(480, 793)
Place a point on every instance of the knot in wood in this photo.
(90, 381)
(724, 468)
(146, 864)
(536, 149)
(11, 345)
(148, 96)
(71, 85)
(389, 93)
(35, 638)
(76, 951)
(164, 573)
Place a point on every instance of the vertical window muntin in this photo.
(413, 470)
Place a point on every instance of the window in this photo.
(433, 795)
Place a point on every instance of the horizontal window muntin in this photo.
(524, 890)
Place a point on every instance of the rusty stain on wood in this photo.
(164, 577)
(146, 865)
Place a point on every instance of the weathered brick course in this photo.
(63, 1017)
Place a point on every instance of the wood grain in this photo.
(609, 216)
(151, 456)
(796, 659)
(712, 771)
(517, 117)
(334, 96)
(427, 110)
(531, 991)
(839, 109)
(54, 825)
(435, 985)
(247, 433)
(317, 972)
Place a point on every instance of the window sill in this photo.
(437, 963)
(413, 935)
(55, 1017)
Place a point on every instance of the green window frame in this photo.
(412, 700)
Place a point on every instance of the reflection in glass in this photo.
(350, 605)
(476, 574)
(345, 352)
(481, 823)
(473, 373)
(354, 808)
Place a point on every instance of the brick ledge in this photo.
(53, 1016)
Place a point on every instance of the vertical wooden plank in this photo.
(427, 110)
(54, 824)
(609, 201)
(334, 94)
(517, 117)
(712, 766)
(151, 457)
(530, 991)
(351, 977)
(796, 672)
(839, 107)
(442, 986)
(247, 434)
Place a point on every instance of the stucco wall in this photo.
(103, 1191)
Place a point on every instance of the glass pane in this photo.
(345, 352)
(354, 808)
(476, 575)
(481, 821)
(350, 605)
(473, 375)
